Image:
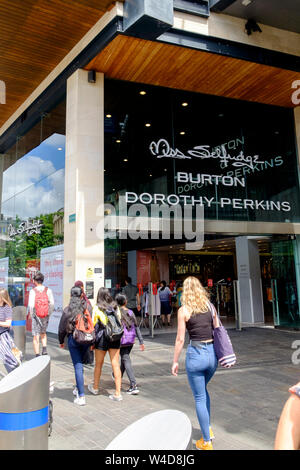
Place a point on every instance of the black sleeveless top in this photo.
(200, 326)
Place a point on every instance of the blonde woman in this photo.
(201, 361)
(6, 341)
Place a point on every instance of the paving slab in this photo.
(246, 401)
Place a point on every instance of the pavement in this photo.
(246, 401)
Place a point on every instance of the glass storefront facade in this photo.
(32, 202)
(237, 159)
(167, 146)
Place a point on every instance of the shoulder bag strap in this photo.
(215, 317)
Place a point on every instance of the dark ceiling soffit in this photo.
(199, 9)
(231, 49)
(57, 89)
(220, 5)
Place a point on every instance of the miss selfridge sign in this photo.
(27, 227)
(162, 149)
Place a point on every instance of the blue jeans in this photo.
(201, 363)
(77, 352)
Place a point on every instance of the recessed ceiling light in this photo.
(165, 169)
(125, 160)
(184, 104)
(150, 175)
(182, 133)
(142, 92)
(148, 124)
(108, 115)
(118, 141)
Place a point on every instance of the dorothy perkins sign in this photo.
(27, 227)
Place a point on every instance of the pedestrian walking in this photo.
(77, 351)
(89, 356)
(165, 296)
(195, 315)
(106, 312)
(288, 430)
(8, 350)
(133, 296)
(41, 305)
(131, 330)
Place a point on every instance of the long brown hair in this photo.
(4, 295)
(194, 295)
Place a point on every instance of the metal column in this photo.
(24, 400)
(151, 308)
(19, 328)
(237, 305)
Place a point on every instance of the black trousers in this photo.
(126, 363)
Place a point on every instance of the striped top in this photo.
(5, 314)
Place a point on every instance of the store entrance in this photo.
(217, 267)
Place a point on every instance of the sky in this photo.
(34, 185)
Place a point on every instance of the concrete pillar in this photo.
(249, 276)
(84, 183)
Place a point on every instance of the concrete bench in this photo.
(162, 430)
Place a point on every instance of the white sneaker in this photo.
(116, 398)
(80, 401)
(93, 390)
(75, 392)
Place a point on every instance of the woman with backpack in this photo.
(131, 330)
(67, 326)
(107, 322)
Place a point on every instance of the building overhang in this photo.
(195, 54)
(181, 62)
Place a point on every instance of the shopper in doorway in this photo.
(165, 296)
(8, 350)
(131, 330)
(41, 305)
(77, 305)
(106, 305)
(133, 296)
(89, 356)
(195, 315)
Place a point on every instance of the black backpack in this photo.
(113, 329)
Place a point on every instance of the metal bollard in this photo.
(24, 406)
(19, 328)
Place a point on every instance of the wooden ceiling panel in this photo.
(35, 35)
(138, 60)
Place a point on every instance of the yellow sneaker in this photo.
(201, 445)
(211, 434)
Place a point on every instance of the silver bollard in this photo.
(19, 328)
(24, 406)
